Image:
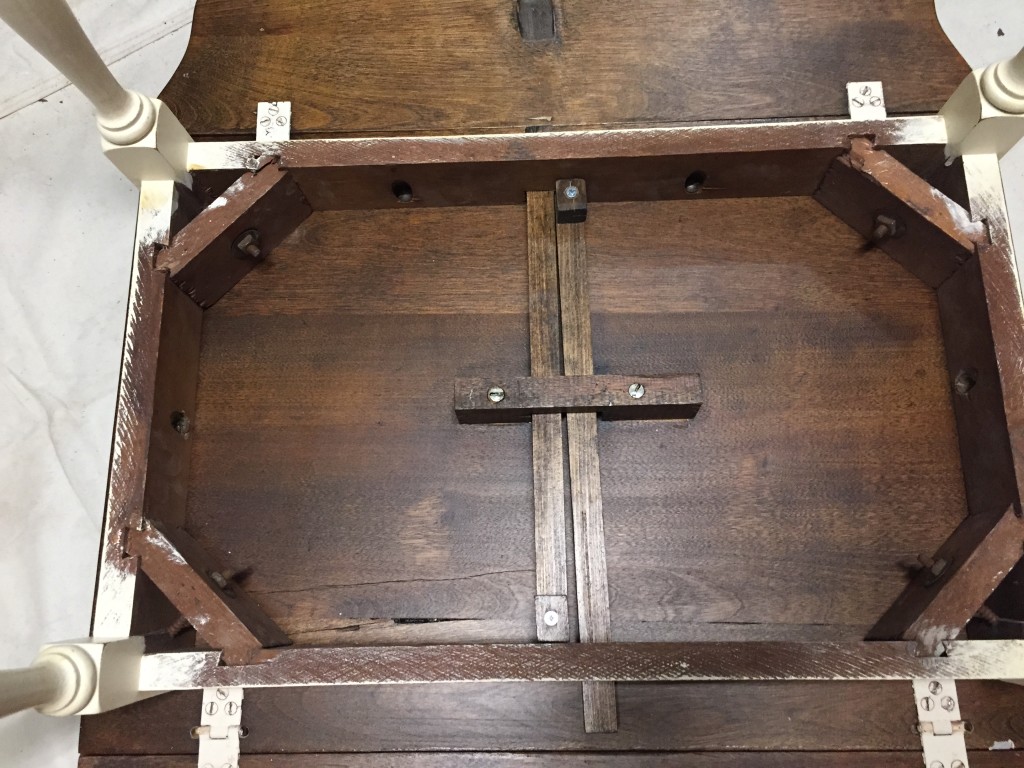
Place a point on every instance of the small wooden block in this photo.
(536, 20)
(665, 397)
(224, 617)
(204, 260)
(571, 201)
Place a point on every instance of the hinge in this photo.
(221, 728)
(866, 100)
(273, 121)
(940, 726)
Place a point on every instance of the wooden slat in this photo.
(463, 63)
(548, 479)
(203, 260)
(545, 717)
(222, 614)
(934, 234)
(937, 606)
(584, 468)
(978, 759)
(586, 661)
(976, 392)
(662, 397)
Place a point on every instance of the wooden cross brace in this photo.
(560, 343)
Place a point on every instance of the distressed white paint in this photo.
(115, 589)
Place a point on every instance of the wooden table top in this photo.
(463, 66)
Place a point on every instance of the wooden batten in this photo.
(612, 397)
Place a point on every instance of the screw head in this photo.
(876, 101)
(551, 618)
(935, 687)
(948, 703)
(495, 394)
(571, 192)
(211, 708)
(936, 764)
(927, 703)
(221, 694)
(636, 390)
(957, 764)
(865, 90)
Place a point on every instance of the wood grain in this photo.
(462, 64)
(203, 259)
(662, 397)
(547, 443)
(543, 717)
(937, 606)
(934, 235)
(980, 759)
(592, 602)
(223, 615)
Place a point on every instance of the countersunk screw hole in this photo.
(402, 191)
(965, 380)
(694, 183)
(181, 423)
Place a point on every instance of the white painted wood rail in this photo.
(139, 134)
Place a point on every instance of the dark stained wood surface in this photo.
(662, 397)
(326, 457)
(546, 717)
(979, 759)
(548, 445)
(455, 65)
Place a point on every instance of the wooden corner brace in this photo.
(899, 212)
(222, 614)
(967, 568)
(235, 232)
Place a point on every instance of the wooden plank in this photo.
(463, 63)
(660, 397)
(586, 661)
(548, 479)
(928, 233)
(979, 759)
(599, 708)
(153, 377)
(200, 588)
(545, 717)
(977, 393)
(747, 160)
(942, 598)
(206, 258)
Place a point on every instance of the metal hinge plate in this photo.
(866, 100)
(274, 121)
(941, 727)
(220, 727)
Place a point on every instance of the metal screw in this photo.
(957, 764)
(865, 90)
(948, 704)
(927, 703)
(935, 687)
(495, 394)
(248, 243)
(231, 708)
(221, 693)
(936, 764)
(211, 708)
(876, 101)
(938, 567)
(571, 192)
(551, 618)
(220, 581)
(636, 391)
(885, 227)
